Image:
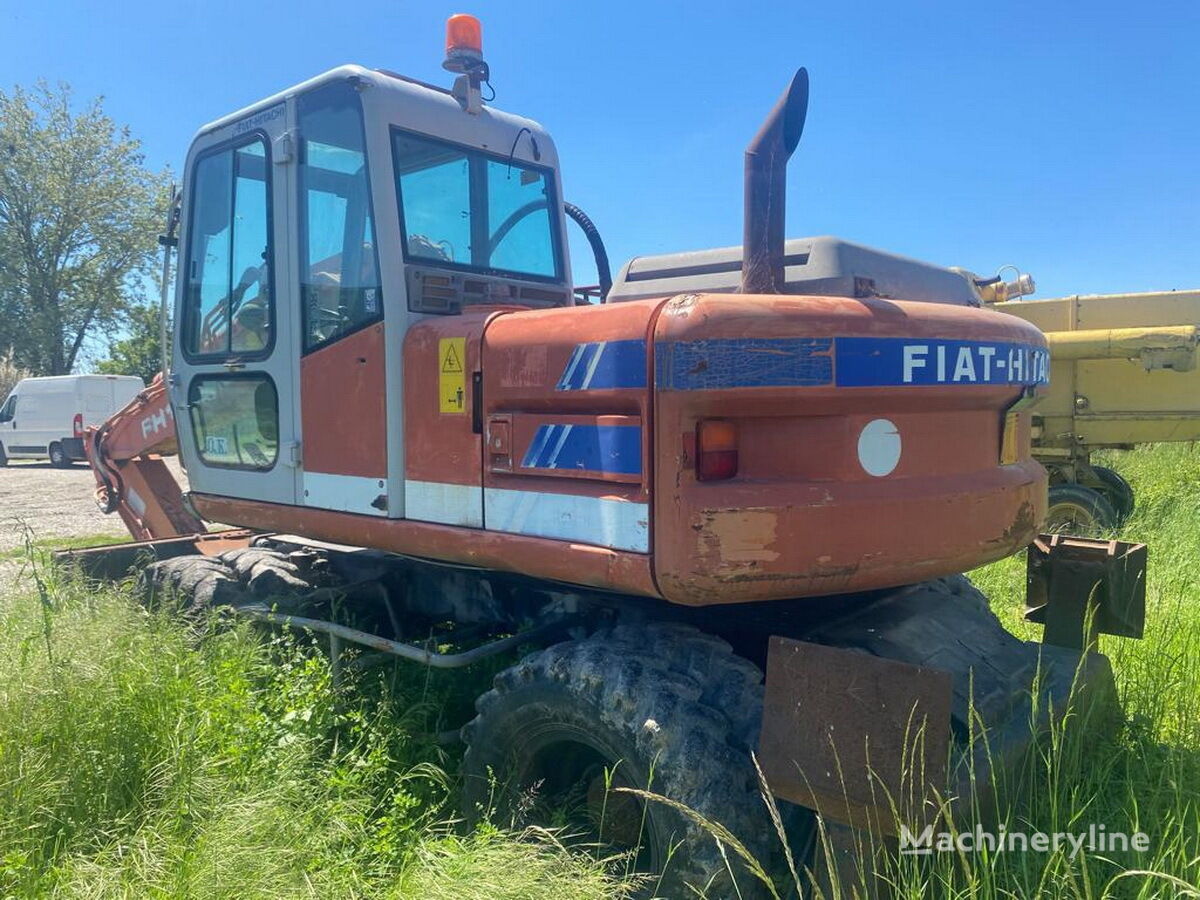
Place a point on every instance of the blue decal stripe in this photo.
(900, 362)
(748, 362)
(605, 365)
(591, 448)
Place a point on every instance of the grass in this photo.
(78, 542)
(140, 758)
(1142, 775)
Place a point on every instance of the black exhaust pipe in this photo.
(766, 187)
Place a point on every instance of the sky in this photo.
(1058, 137)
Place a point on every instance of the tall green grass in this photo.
(140, 756)
(1141, 774)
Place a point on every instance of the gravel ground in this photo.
(54, 503)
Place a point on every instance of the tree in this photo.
(10, 374)
(140, 353)
(78, 218)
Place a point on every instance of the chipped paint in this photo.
(735, 538)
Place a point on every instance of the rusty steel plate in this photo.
(1080, 587)
(855, 736)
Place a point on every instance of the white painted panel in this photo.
(567, 517)
(446, 504)
(345, 493)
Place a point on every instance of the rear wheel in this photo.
(1116, 490)
(660, 708)
(1075, 509)
(58, 456)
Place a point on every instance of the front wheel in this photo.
(1075, 509)
(3, 457)
(660, 708)
(58, 456)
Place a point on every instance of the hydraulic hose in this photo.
(603, 271)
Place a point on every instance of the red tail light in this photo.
(716, 450)
(78, 425)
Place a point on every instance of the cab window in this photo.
(8, 409)
(235, 420)
(227, 307)
(339, 270)
(465, 209)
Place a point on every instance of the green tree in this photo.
(139, 353)
(78, 219)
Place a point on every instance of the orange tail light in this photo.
(716, 450)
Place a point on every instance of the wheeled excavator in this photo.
(777, 458)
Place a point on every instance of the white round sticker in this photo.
(879, 447)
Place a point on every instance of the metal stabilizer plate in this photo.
(1079, 588)
(861, 739)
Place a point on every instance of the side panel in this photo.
(442, 479)
(43, 415)
(567, 425)
(610, 570)
(343, 410)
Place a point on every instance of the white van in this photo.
(44, 418)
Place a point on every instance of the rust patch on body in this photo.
(736, 538)
(1023, 527)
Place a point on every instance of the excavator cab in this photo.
(317, 226)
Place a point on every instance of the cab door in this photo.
(343, 390)
(233, 376)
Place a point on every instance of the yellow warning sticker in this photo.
(452, 384)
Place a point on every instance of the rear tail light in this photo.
(716, 450)
(77, 425)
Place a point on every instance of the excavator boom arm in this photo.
(132, 480)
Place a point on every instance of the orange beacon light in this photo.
(464, 43)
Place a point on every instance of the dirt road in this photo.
(54, 503)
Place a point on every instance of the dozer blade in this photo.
(113, 562)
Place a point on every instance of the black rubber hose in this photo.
(603, 271)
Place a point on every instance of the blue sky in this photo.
(1060, 137)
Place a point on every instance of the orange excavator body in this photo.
(431, 390)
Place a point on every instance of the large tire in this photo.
(269, 574)
(192, 584)
(3, 457)
(670, 709)
(1116, 490)
(1075, 509)
(198, 583)
(58, 456)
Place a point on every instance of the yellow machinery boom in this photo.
(1122, 372)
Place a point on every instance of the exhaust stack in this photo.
(766, 187)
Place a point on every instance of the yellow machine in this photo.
(1122, 372)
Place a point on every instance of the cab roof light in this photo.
(464, 43)
(464, 55)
